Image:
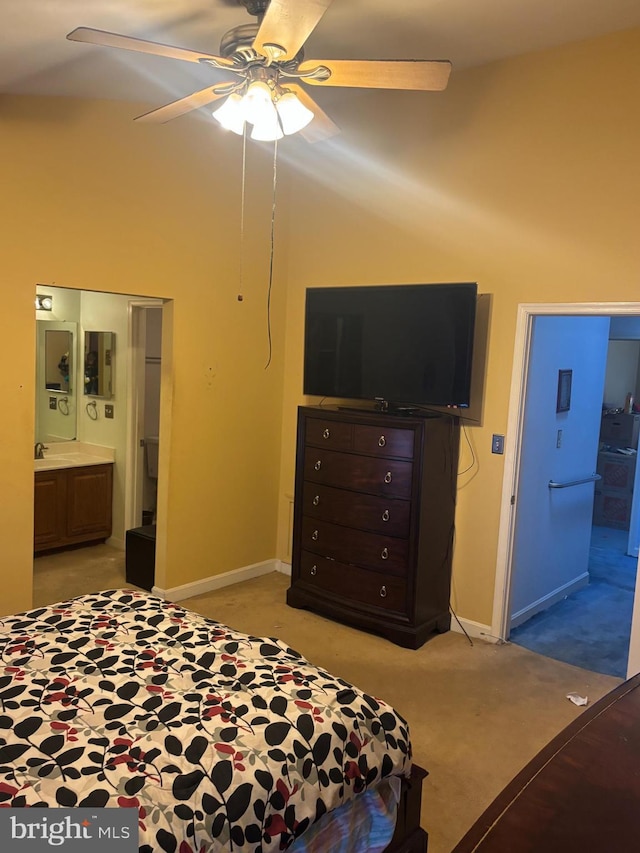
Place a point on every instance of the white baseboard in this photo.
(547, 600)
(187, 590)
(474, 629)
(114, 542)
(284, 568)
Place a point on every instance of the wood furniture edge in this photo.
(409, 837)
(513, 790)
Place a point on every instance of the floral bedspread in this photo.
(223, 741)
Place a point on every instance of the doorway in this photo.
(559, 506)
(143, 411)
(103, 566)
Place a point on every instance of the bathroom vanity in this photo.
(73, 495)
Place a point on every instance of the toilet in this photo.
(151, 452)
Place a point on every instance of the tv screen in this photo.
(405, 344)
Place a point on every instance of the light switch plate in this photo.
(53, 403)
(108, 410)
(497, 443)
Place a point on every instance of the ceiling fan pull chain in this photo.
(273, 220)
(242, 192)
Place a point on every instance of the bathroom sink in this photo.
(70, 459)
(50, 462)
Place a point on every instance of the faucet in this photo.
(39, 450)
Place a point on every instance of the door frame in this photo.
(526, 314)
(135, 408)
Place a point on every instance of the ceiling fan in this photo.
(266, 65)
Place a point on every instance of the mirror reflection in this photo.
(98, 363)
(58, 360)
(56, 364)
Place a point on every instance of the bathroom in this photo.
(106, 418)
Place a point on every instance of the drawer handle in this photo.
(382, 441)
(383, 592)
(316, 500)
(314, 535)
(318, 465)
(314, 569)
(385, 554)
(385, 515)
(388, 477)
(326, 433)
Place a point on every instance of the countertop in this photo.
(73, 454)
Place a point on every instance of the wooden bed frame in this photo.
(409, 837)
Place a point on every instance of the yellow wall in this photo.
(91, 200)
(522, 176)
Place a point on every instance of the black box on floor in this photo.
(140, 556)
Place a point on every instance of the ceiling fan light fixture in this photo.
(258, 102)
(260, 111)
(294, 116)
(267, 129)
(231, 114)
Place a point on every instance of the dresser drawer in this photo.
(357, 547)
(389, 516)
(379, 441)
(390, 477)
(335, 435)
(353, 583)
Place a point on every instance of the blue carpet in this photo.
(591, 627)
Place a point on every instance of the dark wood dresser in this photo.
(373, 520)
(580, 794)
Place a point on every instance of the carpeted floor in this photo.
(477, 713)
(591, 627)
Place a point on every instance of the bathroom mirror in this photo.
(98, 363)
(56, 381)
(58, 346)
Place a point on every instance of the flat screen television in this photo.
(404, 344)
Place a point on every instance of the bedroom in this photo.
(522, 177)
(523, 173)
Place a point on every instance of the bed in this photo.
(222, 741)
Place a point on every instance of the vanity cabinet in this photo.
(374, 519)
(72, 506)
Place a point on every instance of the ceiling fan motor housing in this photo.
(255, 7)
(238, 38)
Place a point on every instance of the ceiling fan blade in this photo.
(321, 127)
(286, 26)
(422, 74)
(184, 105)
(101, 37)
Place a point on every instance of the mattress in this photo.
(221, 740)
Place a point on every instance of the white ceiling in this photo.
(36, 58)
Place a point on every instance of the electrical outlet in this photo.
(53, 403)
(108, 410)
(497, 443)
(559, 439)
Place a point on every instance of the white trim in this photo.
(115, 542)
(513, 440)
(284, 567)
(526, 313)
(549, 599)
(474, 629)
(187, 590)
(132, 486)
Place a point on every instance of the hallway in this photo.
(591, 627)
